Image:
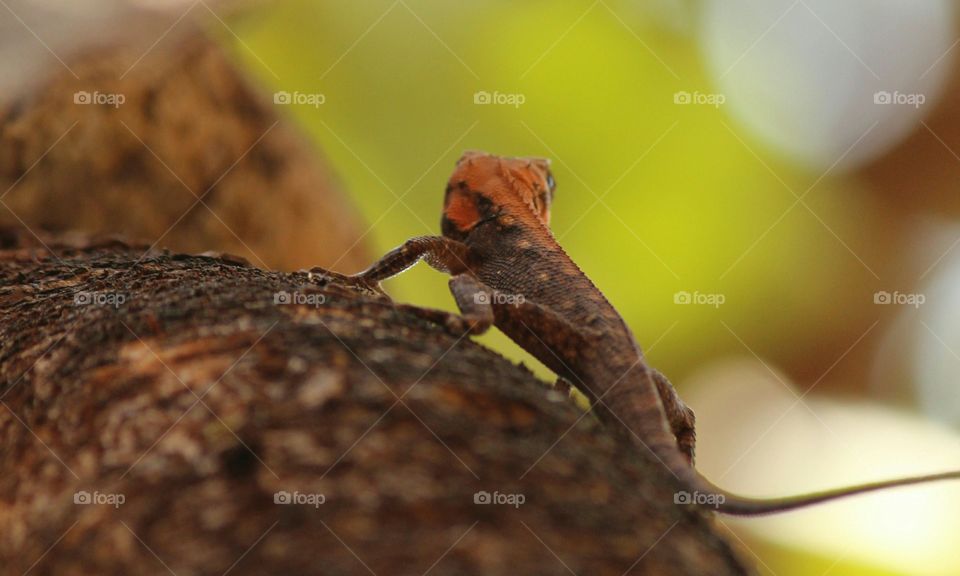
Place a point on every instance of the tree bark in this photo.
(196, 157)
(185, 387)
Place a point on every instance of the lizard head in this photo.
(484, 185)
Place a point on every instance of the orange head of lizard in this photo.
(483, 186)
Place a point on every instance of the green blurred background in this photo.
(680, 199)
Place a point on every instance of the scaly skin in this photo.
(508, 270)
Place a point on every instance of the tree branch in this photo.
(184, 386)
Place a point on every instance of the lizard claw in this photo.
(356, 281)
(367, 286)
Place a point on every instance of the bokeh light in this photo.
(811, 78)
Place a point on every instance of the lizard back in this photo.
(513, 251)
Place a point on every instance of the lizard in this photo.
(507, 270)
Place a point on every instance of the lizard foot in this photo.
(357, 281)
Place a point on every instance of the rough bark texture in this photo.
(195, 158)
(198, 398)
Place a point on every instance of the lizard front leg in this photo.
(473, 299)
(442, 253)
(445, 255)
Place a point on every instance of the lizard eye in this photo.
(551, 184)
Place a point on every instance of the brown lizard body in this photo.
(508, 270)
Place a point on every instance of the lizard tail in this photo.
(737, 505)
(636, 409)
